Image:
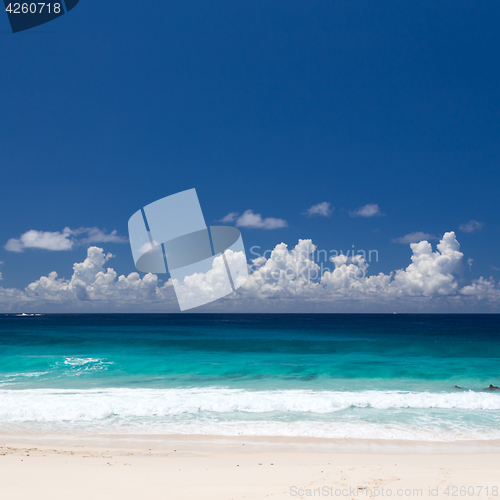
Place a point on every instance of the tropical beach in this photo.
(249, 250)
(250, 406)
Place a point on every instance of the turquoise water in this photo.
(358, 376)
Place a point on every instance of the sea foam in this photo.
(217, 410)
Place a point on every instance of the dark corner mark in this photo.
(24, 15)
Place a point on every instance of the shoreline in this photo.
(162, 442)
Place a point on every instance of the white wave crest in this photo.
(85, 365)
(63, 404)
(81, 361)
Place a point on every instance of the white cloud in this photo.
(251, 220)
(41, 239)
(430, 273)
(369, 210)
(482, 289)
(204, 286)
(231, 217)
(14, 245)
(285, 273)
(65, 240)
(414, 238)
(471, 226)
(96, 235)
(288, 281)
(92, 283)
(324, 208)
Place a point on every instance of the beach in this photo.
(249, 406)
(221, 468)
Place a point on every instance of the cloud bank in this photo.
(288, 281)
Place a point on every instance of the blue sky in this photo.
(272, 107)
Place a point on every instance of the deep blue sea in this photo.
(322, 375)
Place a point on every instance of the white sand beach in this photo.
(221, 468)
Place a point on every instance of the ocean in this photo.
(402, 376)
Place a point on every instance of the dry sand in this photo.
(194, 467)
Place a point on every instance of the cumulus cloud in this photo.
(369, 210)
(205, 285)
(324, 208)
(287, 280)
(67, 239)
(251, 220)
(429, 283)
(431, 273)
(414, 238)
(471, 226)
(482, 289)
(286, 273)
(92, 287)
